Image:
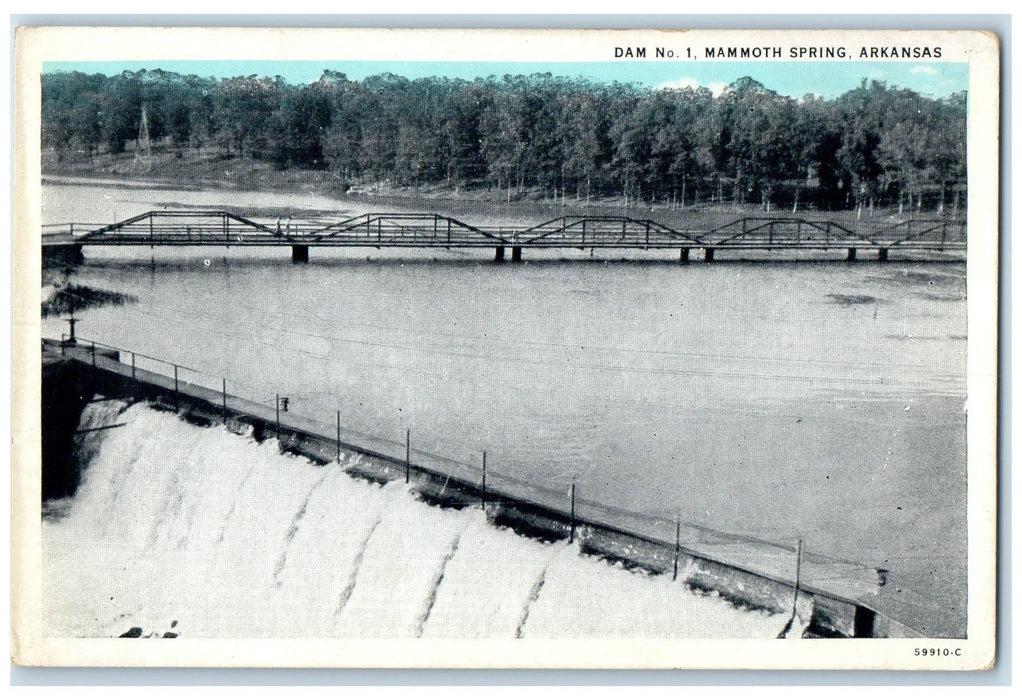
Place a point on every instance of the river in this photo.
(814, 400)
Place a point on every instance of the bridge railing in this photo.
(564, 493)
(71, 230)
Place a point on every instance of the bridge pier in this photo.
(882, 255)
(708, 257)
(683, 255)
(851, 254)
(863, 622)
(299, 253)
(70, 254)
(498, 255)
(516, 253)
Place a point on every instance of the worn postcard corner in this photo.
(505, 348)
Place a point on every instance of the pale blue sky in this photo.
(826, 78)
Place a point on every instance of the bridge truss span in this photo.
(404, 230)
(785, 232)
(605, 232)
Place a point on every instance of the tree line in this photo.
(872, 146)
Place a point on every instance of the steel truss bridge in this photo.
(408, 230)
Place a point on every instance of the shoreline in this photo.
(483, 204)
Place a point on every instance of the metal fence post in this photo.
(571, 522)
(798, 578)
(277, 406)
(484, 480)
(408, 454)
(132, 364)
(177, 397)
(94, 353)
(338, 436)
(225, 399)
(677, 546)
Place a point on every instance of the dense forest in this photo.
(872, 146)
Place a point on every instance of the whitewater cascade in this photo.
(212, 534)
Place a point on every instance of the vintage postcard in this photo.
(505, 349)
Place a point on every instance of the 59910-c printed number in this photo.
(938, 651)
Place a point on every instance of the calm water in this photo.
(822, 400)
